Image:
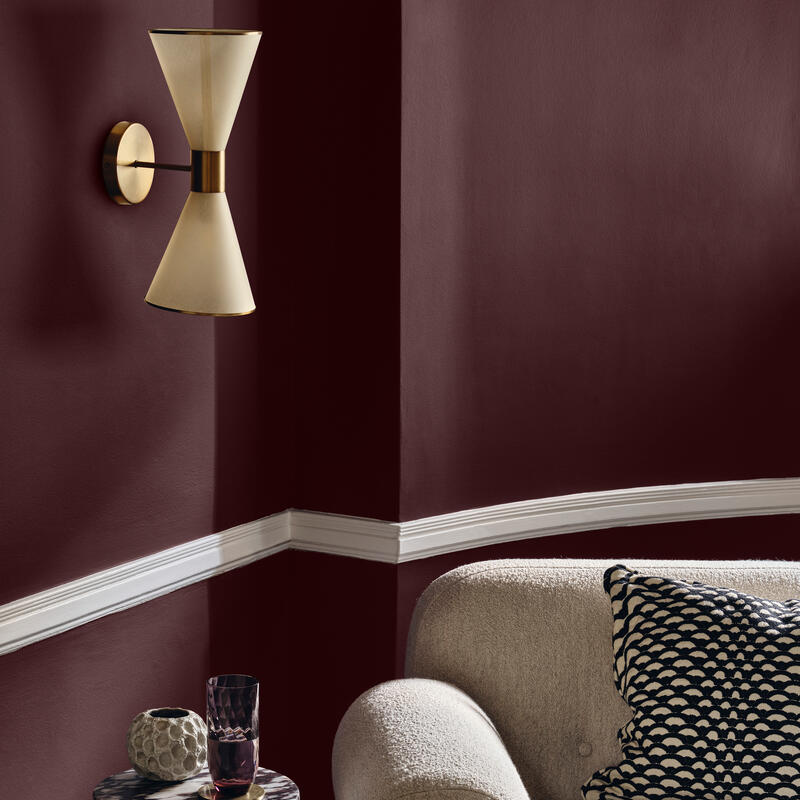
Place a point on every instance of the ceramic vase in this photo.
(167, 744)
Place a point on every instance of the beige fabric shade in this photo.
(206, 71)
(202, 271)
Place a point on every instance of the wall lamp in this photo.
(202, 271)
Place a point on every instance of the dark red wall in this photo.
(70, 699)
(599, 247)
(569, 266)
(253, 356)
(342, 641)
(335, 111)
(125, 429)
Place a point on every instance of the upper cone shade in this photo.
(202, 271)
(206, 74)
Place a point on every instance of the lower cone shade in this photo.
(202, 271)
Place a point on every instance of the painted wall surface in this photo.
(341, 642)
(125, 429)
(335, 94)
(253, 356)
(108, 406)
(570, 267)
(290, 619)
(69, 700)
(599, 247)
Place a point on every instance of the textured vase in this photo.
(167, 744)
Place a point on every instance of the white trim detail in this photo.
(647, 505)
(356, 537)
(44, 614)
(60, 608)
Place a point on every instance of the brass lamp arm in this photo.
(152, 165)
(207, 168)
(128, 155)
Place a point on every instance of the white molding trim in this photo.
(549, 516)
(339, 535)
(44, 614)
(60, 608)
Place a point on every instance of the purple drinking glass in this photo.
(232, 719)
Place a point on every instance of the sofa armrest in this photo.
(423, 738)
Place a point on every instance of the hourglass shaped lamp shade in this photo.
(202, 270)
(206, 71)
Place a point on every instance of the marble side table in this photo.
(129, 786)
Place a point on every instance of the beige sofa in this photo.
(509, 693)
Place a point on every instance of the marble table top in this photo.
(129, 786)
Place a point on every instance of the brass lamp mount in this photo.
(129, 164)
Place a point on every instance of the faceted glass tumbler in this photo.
(232, 719)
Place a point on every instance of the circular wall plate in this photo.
(128, 142)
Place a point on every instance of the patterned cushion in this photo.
(713, 679)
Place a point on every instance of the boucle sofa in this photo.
(509, 693)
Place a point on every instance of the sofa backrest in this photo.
(530, 641)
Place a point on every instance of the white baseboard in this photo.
(60, 608)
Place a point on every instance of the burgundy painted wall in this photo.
(69, 700)
(251, 625)
(73, 696)
(341, 642)
(599, 247)
(125, 429)
(253, 445)
(580, 276)
(336, 104)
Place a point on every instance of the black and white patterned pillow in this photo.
(713, 679)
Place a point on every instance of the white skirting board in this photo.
(60, 608)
